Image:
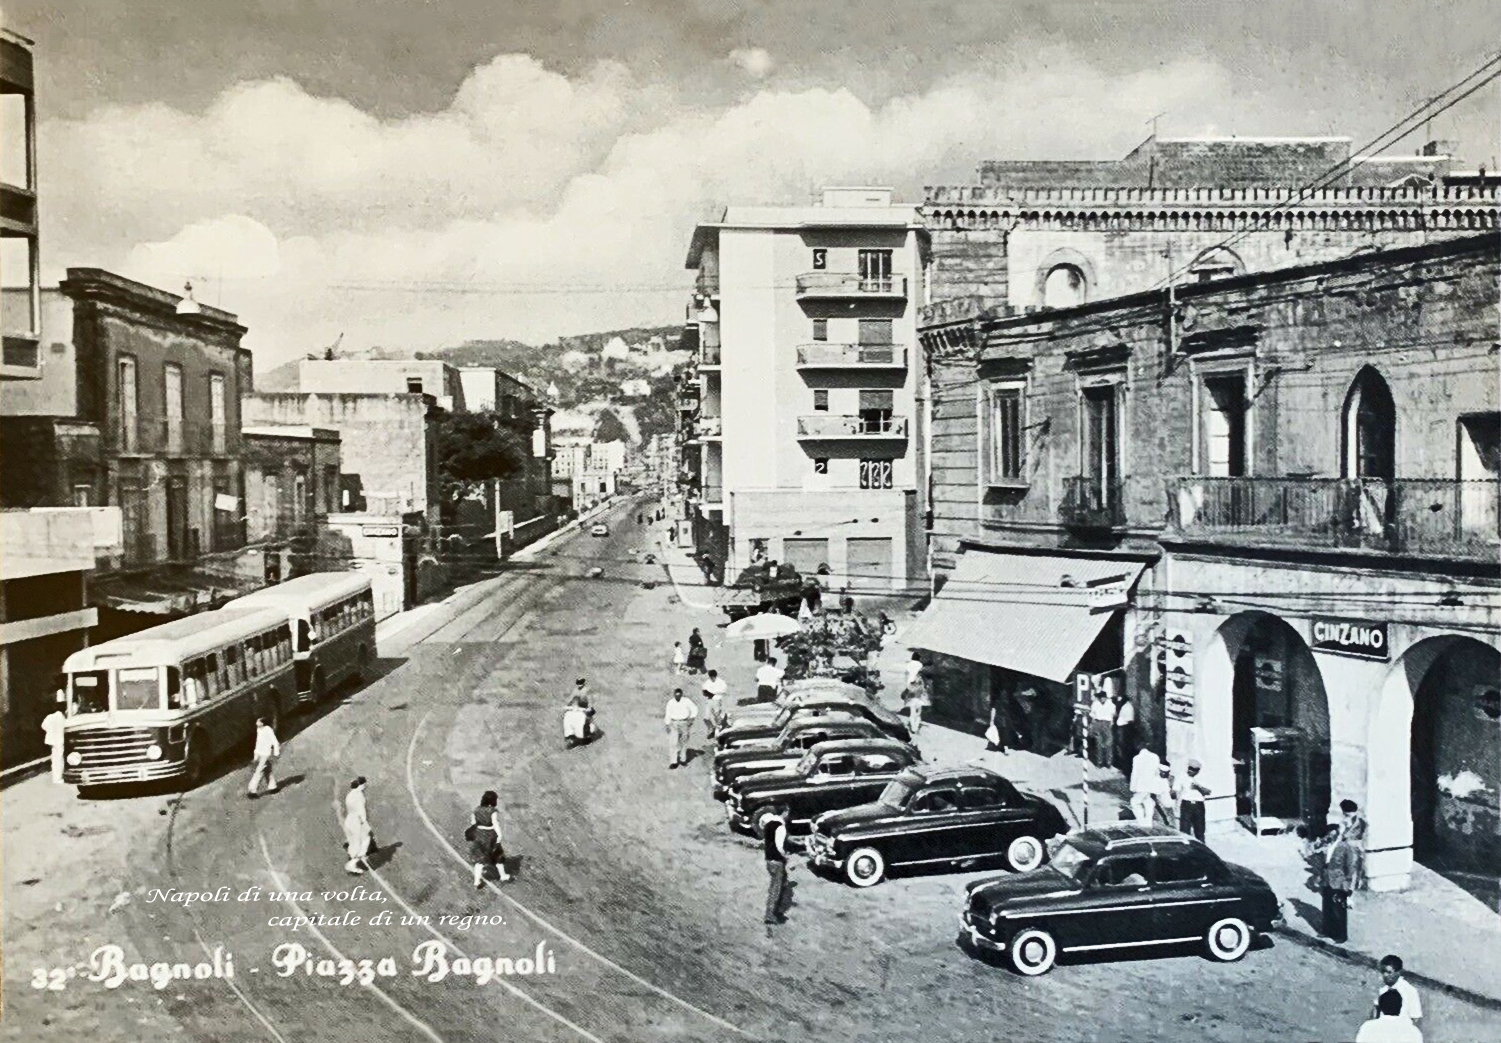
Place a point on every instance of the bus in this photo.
(332, 615)
(168, 701)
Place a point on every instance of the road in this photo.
(627, 881)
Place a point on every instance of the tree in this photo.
(474, 448)
(608, 428)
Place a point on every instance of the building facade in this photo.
(1267, 508)
(385, 376)
(806, 422)
(20, 264)
(292, 485)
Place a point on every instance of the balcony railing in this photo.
(834, 425)
(850, 284)
(1406, 515)
(1091, 502)
(822, 355)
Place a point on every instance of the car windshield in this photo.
(897, 793)
(1070, 861)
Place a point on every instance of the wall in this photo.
(55, 392)
(383, 376)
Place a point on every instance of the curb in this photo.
(21, 772)
(1351, 956)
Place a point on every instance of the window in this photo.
(216, 415)
(172, 378)
(975, 797)
(1003, 433)
(820, 258)
(235, 666)
(1370, 428)
(1224, 425)
(876, 341)
(820, 329)
(414, 385)
(81, 495)
(875, 271)
(213, 681)
(128, 400)
(330, 487)
(1183, 867)
(820, 401)
(841, 765)
(1064, 287)
(876, 411)
(932, 802)
(138, 688)
(875, 474)
(877, 763)
(1101, 437)
(820, 465)
(1124, 871)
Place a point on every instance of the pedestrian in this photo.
(483, 834)
(1124, 731)
(1190, 792)
(1313, 850)
(267, 750)
(52, 734)
(1339, 874)
(1149, 786)
(679, 717)
(812, 595)
(1035, 714)
(1390, 968)
(774, 846)
(698, 653)
(679, 658)
(768, 677)
(1101, 729)
(914, 694)
(1389, 1022)
(1352, 827)
(715, 689)
(358, 839)
(714, 713)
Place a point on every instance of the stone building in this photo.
(292, 485)
(385, 376)
(1265, 506)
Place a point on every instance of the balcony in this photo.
(822, 355)
(813, 286)
(1423, 516)
(1091, 502)
(872, 427)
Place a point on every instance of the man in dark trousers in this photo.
(774, 843)
(1338, 881)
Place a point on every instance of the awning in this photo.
(170, 592)
(1035, 614)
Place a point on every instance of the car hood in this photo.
(1011, 888)
(860, 815)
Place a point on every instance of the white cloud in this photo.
(753, 61)
(534, 204)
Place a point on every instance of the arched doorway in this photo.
(1277, 697)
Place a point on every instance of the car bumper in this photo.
(821, 856)
(977, 937)
(721, 790)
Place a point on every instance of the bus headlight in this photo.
(75, 758)
(153, 752)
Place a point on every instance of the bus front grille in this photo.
(114, 755)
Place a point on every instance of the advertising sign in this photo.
(1351, 637)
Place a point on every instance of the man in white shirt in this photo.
(1125, 731)
(1389, 1025)
(679, 717)
(915, 695)
(1190, 793)
(1391, 979)
(1101, 730)
(267, 749)
(1149, 786)
(768, 677)
(52, 733)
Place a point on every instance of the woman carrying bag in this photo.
(483, 835)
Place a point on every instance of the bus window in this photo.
(367, 604)
(304, 635)
(138, 688)
(284, 645)
(175, 697)
(262, 645)
(236, 666)
(91, 692)
(193, 689)
(218, 680)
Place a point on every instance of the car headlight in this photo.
(75, 758)
(153, 752)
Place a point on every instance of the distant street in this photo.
(627, 877)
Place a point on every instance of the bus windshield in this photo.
(138, 688)
(90, 692)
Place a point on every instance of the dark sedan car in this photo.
(934, 818)
(787, 748)
(1122, 886)
(764, 731)
(830, 776)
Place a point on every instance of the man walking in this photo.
(774, 844)
(1338, 880)
(52, 733)
(714, 688)
(915, 695)
(267, 749)
(1190, 793)
(679, 718)
(1101, 729)
(768, 677)
(1149, 786)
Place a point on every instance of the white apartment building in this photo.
(807, 425)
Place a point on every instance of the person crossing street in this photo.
(679, 717)
(267, 750)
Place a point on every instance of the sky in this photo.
(417, 173)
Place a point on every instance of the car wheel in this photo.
(1228, 939)
(1033, 951)
(762, 817)
(1025, 854)
(865, 867)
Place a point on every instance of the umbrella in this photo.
(761, 627)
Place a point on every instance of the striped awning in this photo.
(1035, 614)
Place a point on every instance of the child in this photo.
(679, 658)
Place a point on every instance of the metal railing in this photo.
(821, 353)
(836, 425)
(1433, 515)
(1091, 502)
(849, 284)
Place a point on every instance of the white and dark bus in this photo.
(332, 615)
(168, 701)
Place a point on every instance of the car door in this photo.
(929, 834)
(1115, 910)
(987, 829)
(832, 784)
(1190, 893)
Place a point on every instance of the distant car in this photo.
(832, 775)
(787, 748)
(599, 529)
(1122, 886)
(763, 730)
(931, 817)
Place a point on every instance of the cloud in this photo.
(753, 61)
(534, 203)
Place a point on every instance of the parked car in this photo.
(1120, 887)
(759, 732)
(788, 747)
(832, 775)
(794, 693)
(931, 817)
(599, 529)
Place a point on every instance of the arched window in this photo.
(1218, 263)
(1370, 428)
(1064, 287)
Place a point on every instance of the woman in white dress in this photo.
(357, 835)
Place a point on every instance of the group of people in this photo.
(693, 661)
(1335, 859)
(1398, 1010)
(1176, 799)
(1112, 730)
(681, 711)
